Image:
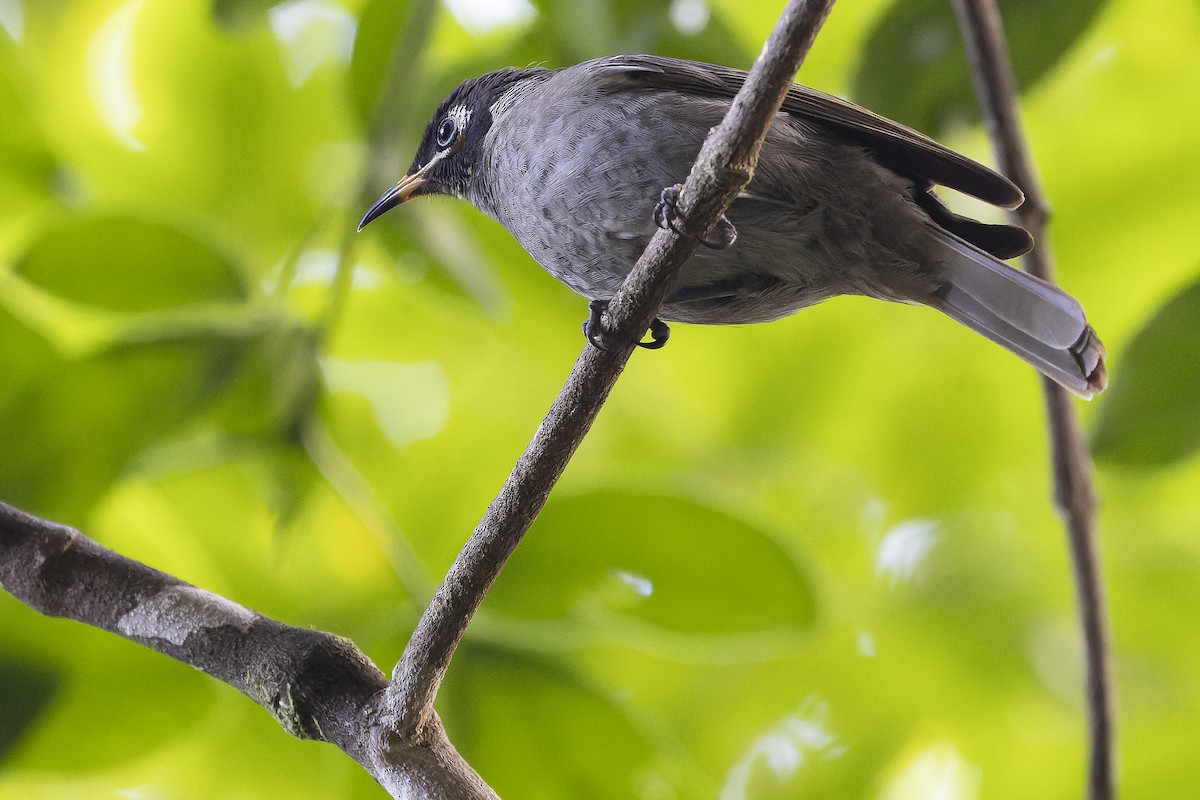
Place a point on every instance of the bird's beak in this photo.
(408, 188)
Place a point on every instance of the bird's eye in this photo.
(446, 132)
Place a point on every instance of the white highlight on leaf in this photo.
(690, 17)
(411, 401)
(320, 267)
(874, 512)
(110, 74)
(480, 17)
(313, 32)
(177, 612)
(783, 750)
(903, 549)
(938, 772)
(1053, 650)
(12, 18)
(1104, 56)
(866, 644)
(640, 584)
(929, 43)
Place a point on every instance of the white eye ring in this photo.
(446, 132)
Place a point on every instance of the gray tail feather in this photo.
(1036, 320)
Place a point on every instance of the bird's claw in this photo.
(666, 213)
(659, 333)
(593, 327)
(666, 210)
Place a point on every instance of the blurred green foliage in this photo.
(813, 558)
(1152, 417)
(914, 65)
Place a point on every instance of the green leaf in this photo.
(527, 726)
(276, 385)
(666, 562)
(26, 161)
(381, 26)
(584, 30)
(25, 691)
(25, 358)
(73, 428)
(408, 402)
(914, 67)
(237, 15)
(1151, 414)
(715, 43)
(111, 695)
(567, 32)
(129, 265)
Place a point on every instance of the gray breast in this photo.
(574, 175)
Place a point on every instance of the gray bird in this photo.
(574, 163)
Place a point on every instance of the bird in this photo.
(583, 164)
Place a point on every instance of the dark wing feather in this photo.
(900, 148)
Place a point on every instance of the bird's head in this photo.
(450, 149)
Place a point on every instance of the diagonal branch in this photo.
(983, 31)
(314, 684)
(722, 169)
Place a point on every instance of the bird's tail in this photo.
(1034, 319)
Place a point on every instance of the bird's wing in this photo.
(900, 148)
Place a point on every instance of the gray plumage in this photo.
(572, 163)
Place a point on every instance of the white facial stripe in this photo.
(438, 156)
(461, 115)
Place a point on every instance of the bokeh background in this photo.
(813, 558)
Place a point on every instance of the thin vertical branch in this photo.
(983, 32)
(723, 167)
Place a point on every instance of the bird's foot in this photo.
(592, 327)
(666, 213)
(659, 333)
